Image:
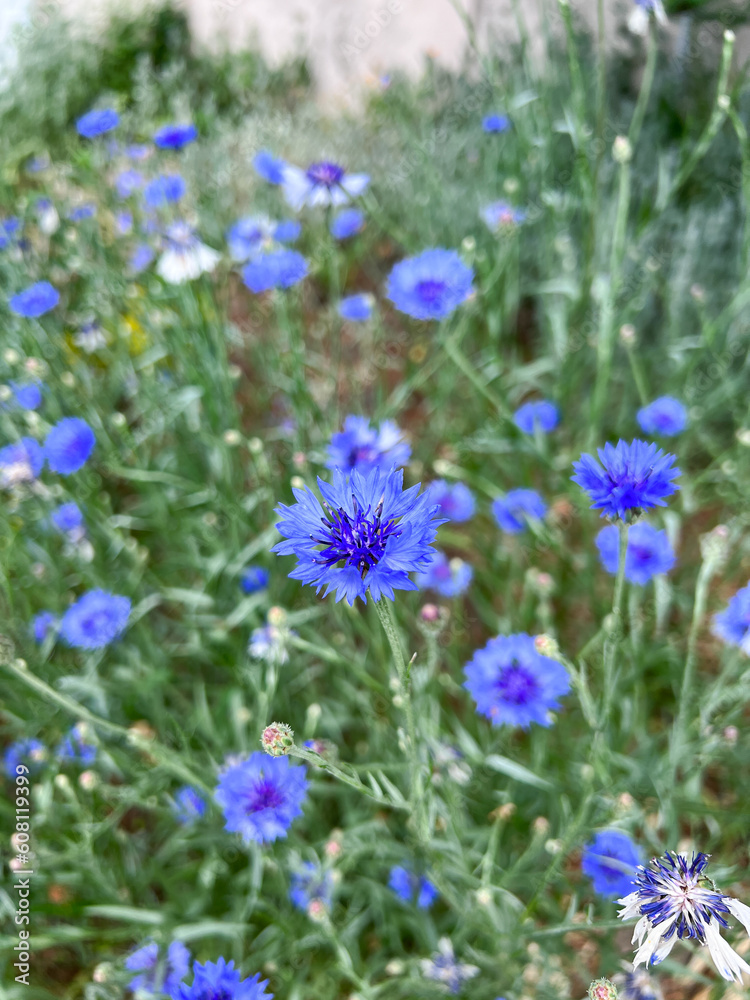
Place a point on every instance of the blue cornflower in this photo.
(20, 462)
(500, 215)
(412, 888)
(636, 984)
(68, 445)
(287, 231)
(455, 500)
(138, 152)
(68, 517)
(37, 164)
(733, 623)
(674, 898)
(189, 805)
(444, 968)
(254, 578)
(221, 981)
(8, 229)
(271, 168)
(163, 190)
(97, 122)
(431, 285)
(156, 978)
(373, 533)
(610, 861)
(513, 511)
(323, 183)
(363, 447)
(250, 236)
(42, 624)
(31, 753)
(495, 123)
(356, 308)
(513, 684)
(128, 182)
(124, 223)
(36, 300)
(666, 415)
(81, 212)
(175, 136)
(631, 478)
(347, 223)
(261, 796)
(76, 748)
(648, 552)
(184, 257)
(140, 258)
(277, 269)
(29, 396)
(540, 414)
(311, 884)
(95, 619)
(449, 577)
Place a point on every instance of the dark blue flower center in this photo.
(264, 795)
(362, 453)
(431, 290)
(516, 685)
(357, 540)
(325, 174)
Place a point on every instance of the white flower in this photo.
(641, 13)
(185, 257)
(322, 184)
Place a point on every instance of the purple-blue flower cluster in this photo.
(261, 796)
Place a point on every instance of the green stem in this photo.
(612, 642)
(347, 779)
(646, 84)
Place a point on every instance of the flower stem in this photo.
(387, 620)
(647, 82)
(348, 779)
(612, 642)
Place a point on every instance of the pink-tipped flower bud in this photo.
(545, 645)
(602, 989)
(277, 739)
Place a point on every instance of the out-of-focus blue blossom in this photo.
(513, 684)
(31, 753)
(347, 223)
(311, 884)
(513, 511)
(128, 182)
(287, 231)
(20, 462)
(430, 286)
(412, 888)
(221, 981)
(363, 447)
(449, 577)
(175, 136)
(9, 228)
(610, 861)
(648, 552)
(140, 258)
(189, 805)
(38, 164)
(68, 445)
(733, 623)
(36, 300)
(269, 167)
(76, 748)
(254, 578)
(97, 122)
(539, 414)
(250, 236)
(124, 223)
(27, 397)
(499, 215)
(271, 641)
(277, 269)
(631, 478)
(164, 190)
(666, 416)
(68, 517)
(261, 796)
(81, 212)
(444, 969)
(90, 337)
(322, 184)
(495, 123)
(95, 620)
(157, 978)
(456, 501)
(42, 624)
(636, 984)
(138, 152)
(356, 308)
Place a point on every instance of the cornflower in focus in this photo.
(630, 479)
(261, 796)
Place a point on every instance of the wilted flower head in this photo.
(68, 445)
(733, 623)
(323, 183)
(364, 447)
(455, 500)
(648, 554)
(513, 511)
(666, 415)
(444, 968)
(368, 535)
(448, 577)
(156, 977)
(97, 122)
(175, 136)
(276, 269)
(36, 300)
(675, 899)
(431, 285)
(95, 620)
(610, 861)
(540, 414)
(189, 805)
(20, 462)
(347, 223)
(356, 308)
(261, 796)
(513, 684)
(184, 258)
(631, 478)
(412, 888)
(221, 981)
